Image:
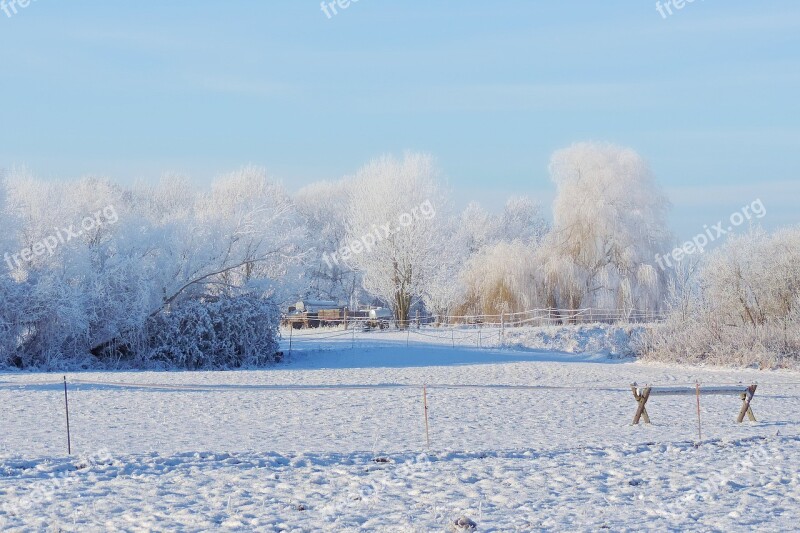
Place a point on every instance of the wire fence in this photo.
(531, 317)
(89, 391)
(487, 336)
(552, 317)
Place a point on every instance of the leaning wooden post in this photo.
(699, 426)
(291, 329)
(747, 397)
(425, 404)
(641, 399)
(66, 410)
(502, 327)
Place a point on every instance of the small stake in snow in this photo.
(699, 428)
(425, 403)
(66, 409)
(502, 326)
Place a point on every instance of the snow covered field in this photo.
(334, 440)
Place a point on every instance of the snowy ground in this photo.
(334, 440)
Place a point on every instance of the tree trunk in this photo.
(402, 308)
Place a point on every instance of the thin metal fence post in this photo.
(66, 411)
(425, 403)
(699, 427)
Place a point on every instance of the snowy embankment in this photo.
(334, 440)
(595, 339)
(602, 339)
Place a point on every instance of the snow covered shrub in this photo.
(214, 332)
(744, 309)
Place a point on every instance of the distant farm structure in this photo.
(324, 313)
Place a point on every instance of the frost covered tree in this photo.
(755, 278)
(498, 273)
(522, 220)
(325, 207)
(744, 307)
(63, 259)
(240, 237)
(13, 298)
(253, 231)
(446, 289)
(609, 224)
(95, 263)
(478, 228)
(395, 235)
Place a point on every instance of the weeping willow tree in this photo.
(609, 225)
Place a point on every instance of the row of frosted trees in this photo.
(171, 275)
(609, 222)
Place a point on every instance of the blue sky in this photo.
(708, 95)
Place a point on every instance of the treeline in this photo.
(169, 275)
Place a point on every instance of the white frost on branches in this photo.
(609, 224)
(403, 264)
